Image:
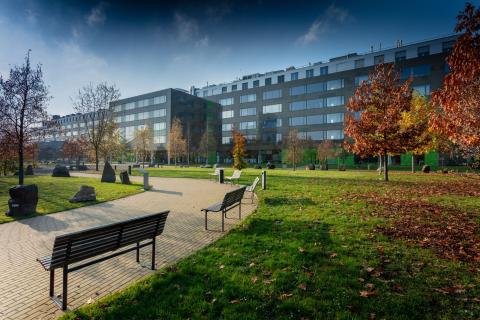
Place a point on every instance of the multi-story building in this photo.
(265, 107)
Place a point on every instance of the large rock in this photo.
(310, 166)
(60, 171)
(124, 178)
(23, 200)
(86, 193)
(108, 174)
(426, 169)
(29, 170)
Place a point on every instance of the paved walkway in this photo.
(24, 283)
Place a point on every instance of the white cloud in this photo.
(332, 16)
(187, 28)
(97, 15)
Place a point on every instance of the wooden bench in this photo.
(231, 200)
(251, 188)
(79, 246)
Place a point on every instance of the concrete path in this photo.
(24, 283)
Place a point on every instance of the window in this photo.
(117, 108)
(316, 135)
(272, 108)
(245, 86)
(378, 59)
(447, 46)
(159, 139)
(248, 125)
(273, 94)
(281, 79)
(342, 66)
(227, 127)
(278, 137)
(297, 121)
(142, 115)
(423, 90)
(323, 70)
(250, 137)
(297, 105)
(159, 126)
(417, 71)
(130, 106)
(159, 113)
(268, 81)
(359, 63)
(205, 93)
(248, 98)
(335, 101)
(248, 112)
(294, 76)
(295, 91)
(227, 140)
(360, 79)
(334, 117)
(234, 87)
(224, 89)
(256, 83)
(315, 103)
(227, 114)
(130, 117)
(423, 51)
(142, 103)
(129, 131)
(400, 56)
(316, 119)
(226, 101)
(269, 137)
(308, 73)
(334, 134)
(316, 87)
(334, 84)
(272, 123)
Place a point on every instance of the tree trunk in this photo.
(20, 163)
(385, 166)
(96, 159)
(413, 163)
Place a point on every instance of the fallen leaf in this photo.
(254, 279)
(222, 266)
(333, 255)
(302, 250)
(302, 286)
(366, 294)
(234, 301)
(286, 295)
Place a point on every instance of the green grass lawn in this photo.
(318, 248)
(54, 193)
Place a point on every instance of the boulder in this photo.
(108, 174)
(257, 166)
(60, 171)
(270, 166)
(29, 170)
(426, 169)
(124, 178)
(86, 193)
(23, 200)
(310, 166)
(342, 167)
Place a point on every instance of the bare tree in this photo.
(143, 142)
(295, 147)
(112, 145)
(176, 142)
(23, 98)
(93, 102)
(206, 144)
(326, 150)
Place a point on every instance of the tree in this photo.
(206, 144)
(93, 103)
(176, 143)
(75, 149)
(112, 145)
(238, 151)
(458, 113)
(9, 154)
(326, 150)
(23, 98)
(143, 142)
(380, 101)
(295, 147)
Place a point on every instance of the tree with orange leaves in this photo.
(238, 151)
(458, 112)
(380, 103)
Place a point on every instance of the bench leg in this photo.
(224, 213)
(153, 253)
(240, 210)
(52, 282)
(206, 220)
(138, 252)
(65, 288)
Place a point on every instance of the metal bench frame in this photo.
(231, 200)
(79, 246)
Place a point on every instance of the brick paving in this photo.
(24, 283)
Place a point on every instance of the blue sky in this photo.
(143, 46)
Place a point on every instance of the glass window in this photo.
(447, 46)
(315, 103)
(226, 101)
(130, 117)
(335, 84)
(129, 105)
(224, 89)
(316, 87)
(295, 91)
(400, 55)
(297, 105)
(227, 114)
(272, 108)
(268, 81)
(335, 101)
(256, 83)
(281, 79)
(245, 86)
(359, 63)
(273, 94)
(250, 137)
(316, 135)
(117, 108)
(360, 79)
(379, 59)
(316, 119)
(294, 76)
(308, 73)
(227, 127)
(417, 71)
(248, 98)
(159, 113)
(268, 137)
(248, 125)
(142, 115)
(227, 140)
(234, 87)
(297, 121)
(278, 137)
(159, 139)
(323, 70)
(423, 51)
(272, 123)
(334, 117)
(334, 134)
(423, 89)
(248, 112)
(159, 126)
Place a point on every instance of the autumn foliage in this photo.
(238, 151)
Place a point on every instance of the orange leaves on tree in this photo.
(238, 151)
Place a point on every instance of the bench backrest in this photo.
(233, 197)
(254, 184)
(88, 243)
(217, 171)
(236, 174)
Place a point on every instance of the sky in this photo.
(144, 46)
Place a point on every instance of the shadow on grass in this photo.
(281, 201)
